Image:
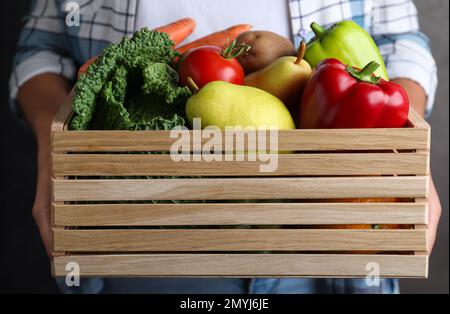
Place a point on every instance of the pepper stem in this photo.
(318, 30)
(233, 51)
(369, 69)
(366, 74)
(301, 53)
(192, 85)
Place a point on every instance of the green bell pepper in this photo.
(347, 42)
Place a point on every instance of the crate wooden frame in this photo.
(333, 164)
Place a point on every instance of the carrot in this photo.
(178, 30)
(221, 39)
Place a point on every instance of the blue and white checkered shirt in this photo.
(47, 44)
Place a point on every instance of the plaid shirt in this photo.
(47, 44)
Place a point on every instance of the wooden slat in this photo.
(424, 227)
(416, 120)
(284, 165)
(60, 121)
(152, 240)
(242, 265)
(57, 125)
(246, 188)
(302, 140)
(239, 214)
(419, 122)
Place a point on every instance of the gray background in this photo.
(23, 263)
(433, 15)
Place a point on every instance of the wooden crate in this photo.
(318, 174)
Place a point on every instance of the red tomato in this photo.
(208, 63)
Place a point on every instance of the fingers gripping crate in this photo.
(313, 227)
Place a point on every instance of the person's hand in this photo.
(418, 99)
(42, 201)
(434, 215)
(40, 99)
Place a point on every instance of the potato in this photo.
(266, 47)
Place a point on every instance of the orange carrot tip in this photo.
(178, 30)
(220, 39)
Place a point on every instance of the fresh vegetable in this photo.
(220, 39)
(131, 87)
(362, 226)
(285, 78)
(266, 48)
(347, 42)
(209, 63)
(177, 31)
(223, 104)
(339, 96)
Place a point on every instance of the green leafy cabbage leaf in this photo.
(131, 87)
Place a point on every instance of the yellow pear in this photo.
(223, 104)
(285, 78)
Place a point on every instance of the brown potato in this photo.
(266, 47)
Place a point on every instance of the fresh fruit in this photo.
(223, 104)
(340, 96)
(285, 78)
(209, 63)
(266, 48)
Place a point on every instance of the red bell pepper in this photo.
(339, 96)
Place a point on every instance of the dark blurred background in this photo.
(24, 266)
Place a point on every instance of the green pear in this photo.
(223, 104)
(285, 78)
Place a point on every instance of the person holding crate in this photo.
(51, 49)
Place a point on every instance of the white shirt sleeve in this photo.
(405, 49)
